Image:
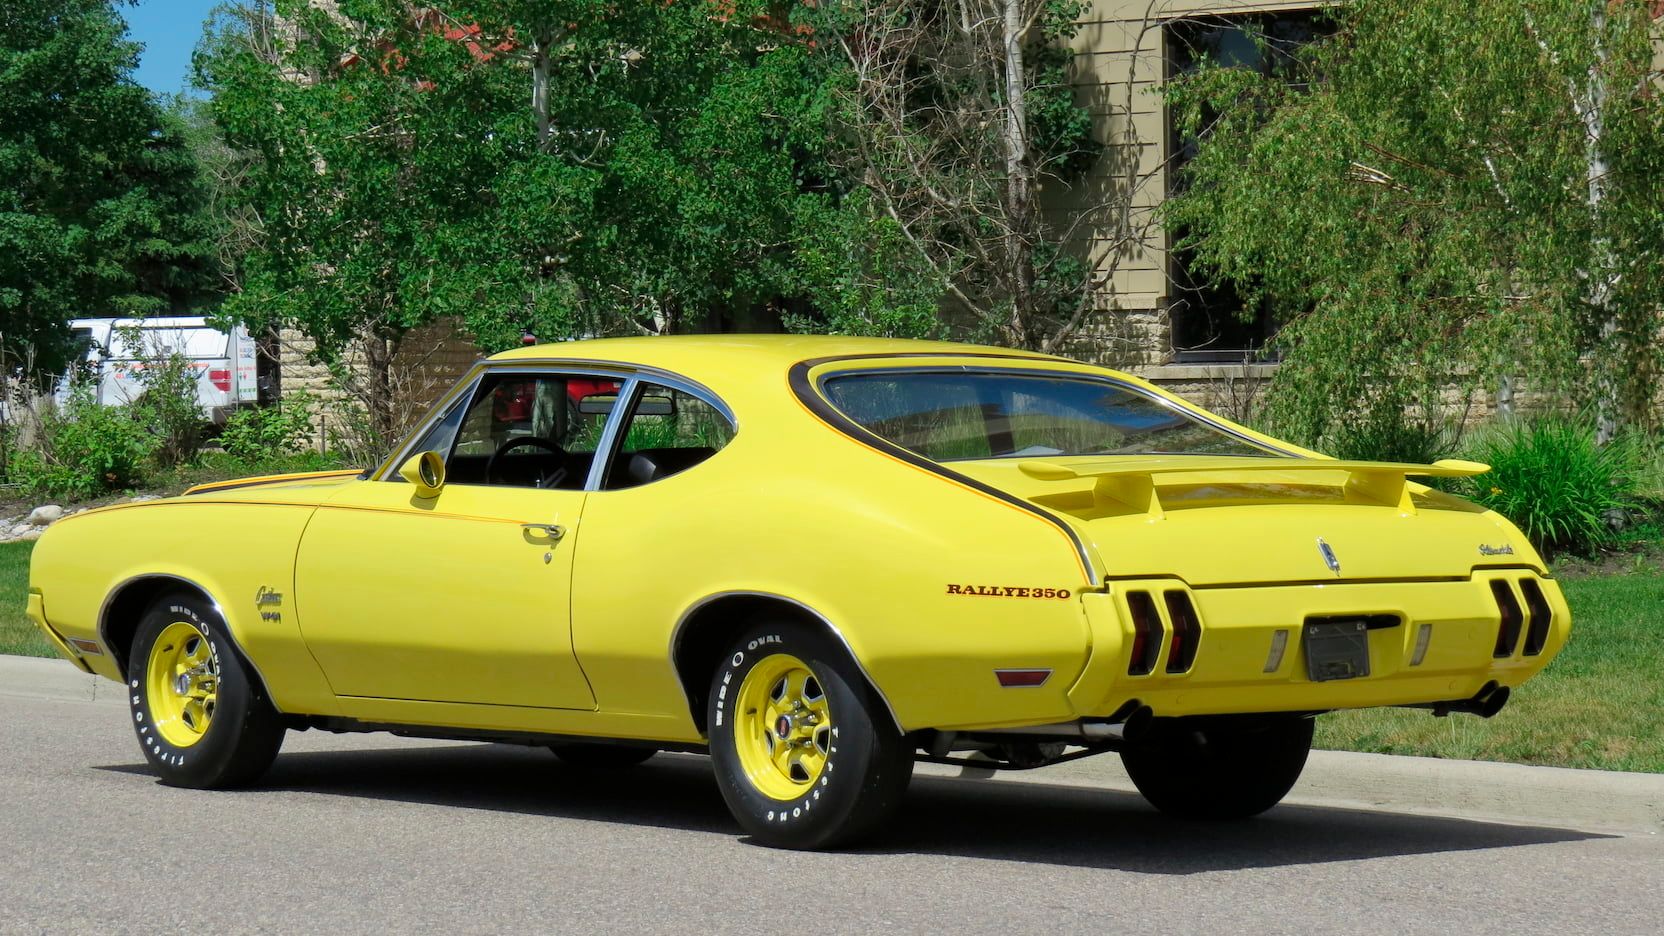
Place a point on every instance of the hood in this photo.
(299, 486)
(1225, 520)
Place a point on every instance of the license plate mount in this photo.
(1337, 650)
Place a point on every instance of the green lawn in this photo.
(17, 635)
(1600, 704)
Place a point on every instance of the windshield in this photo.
(955, 416)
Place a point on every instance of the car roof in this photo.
(694, 354)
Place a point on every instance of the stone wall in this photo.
(429, 361)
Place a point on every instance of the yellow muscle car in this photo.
(819, 560)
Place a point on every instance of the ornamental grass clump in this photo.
(1548, 476)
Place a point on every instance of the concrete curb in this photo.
(54, 678)
(1593, 800)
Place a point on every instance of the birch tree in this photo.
(1466, 193)
(961, 121)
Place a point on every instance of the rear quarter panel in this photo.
(793, 508)
(230, 550)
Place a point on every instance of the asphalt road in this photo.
(357, 834)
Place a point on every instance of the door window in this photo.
(668, 432)
(529, 430)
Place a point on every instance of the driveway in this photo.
(370, 833)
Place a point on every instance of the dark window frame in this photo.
(1205, 324)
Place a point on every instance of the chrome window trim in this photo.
(628, 374)
(606, 447)
(462, 390)
(1196, 414)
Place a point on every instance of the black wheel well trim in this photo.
(163, 581)
(695, 694)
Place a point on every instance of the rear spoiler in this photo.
(1135, 482)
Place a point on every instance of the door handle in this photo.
(553, 531)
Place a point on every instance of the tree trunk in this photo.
(1603, 276)
(379, 398)
(540, 91)
(1019, 185)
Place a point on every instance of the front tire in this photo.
(202, 719)
(805, 752)
(1221, 773)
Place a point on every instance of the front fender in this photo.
(83, 566)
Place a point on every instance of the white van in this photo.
(224, 361)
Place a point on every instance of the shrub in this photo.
(258, 435)
(167, 402)
(1550, 478)
(1387, 431)
(85, 450)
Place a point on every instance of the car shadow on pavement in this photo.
(1036, 822)
(1002, 820)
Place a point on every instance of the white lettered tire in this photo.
(201, 717)
(806, 754)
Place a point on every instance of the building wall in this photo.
(429, 361)
(1121, 59)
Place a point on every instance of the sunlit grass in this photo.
(17, 634)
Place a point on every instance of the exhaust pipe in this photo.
(1485, 703)
(1126, 725)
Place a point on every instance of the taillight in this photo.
(1536, 635)
(1146, 633)
(1187, 632)
(1508, 632)
(221, 379)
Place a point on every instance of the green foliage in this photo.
(1424, 205)
(274, 431)
(954, 120)
(86, 449)
(571, 168)
(1387, 430)
(167, 403)
(99, 195)
(1555, 483)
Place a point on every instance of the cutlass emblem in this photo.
(1329, 557)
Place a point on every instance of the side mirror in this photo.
(426, 470)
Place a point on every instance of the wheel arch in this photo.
(118, 618)
(711, 625)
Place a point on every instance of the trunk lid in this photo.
(1222, 520)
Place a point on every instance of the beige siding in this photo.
(1119, 65)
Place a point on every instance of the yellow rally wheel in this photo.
(783, 732)
(181, 684)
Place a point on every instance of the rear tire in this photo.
(805, 752)
(601, 756)
(201, 716)
(1221, 773)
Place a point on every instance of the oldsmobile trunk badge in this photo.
(1329, 557)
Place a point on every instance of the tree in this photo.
(568, 167)
(100, 200)
(960, 120)
(1458, 194)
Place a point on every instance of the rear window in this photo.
(953, 416)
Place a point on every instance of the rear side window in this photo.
(668, 432)
(954, 416)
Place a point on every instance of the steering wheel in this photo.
(545, 479)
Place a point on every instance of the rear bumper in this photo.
(1442, 647)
